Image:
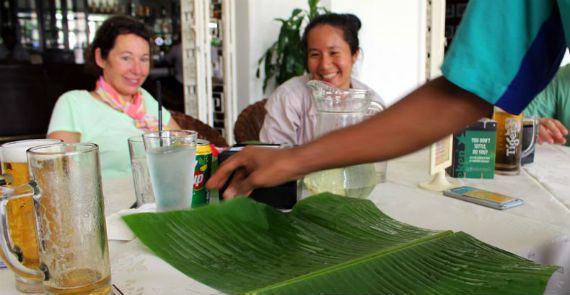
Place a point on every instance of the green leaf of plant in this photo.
(268, 66)
(313, 9)
(329, 245)
(296, 12)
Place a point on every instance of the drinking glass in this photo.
(68, 204)
(509, 142)
(20, 211)
(171, 157)
(139, 167)
(530, 137)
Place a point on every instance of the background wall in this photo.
(256, 30)
(392, 42)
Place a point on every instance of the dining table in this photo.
(538, 230)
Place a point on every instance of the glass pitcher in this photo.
(339, 108)
(68, 203)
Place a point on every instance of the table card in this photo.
(474, 151)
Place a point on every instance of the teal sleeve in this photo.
(506, 51)
(544, 104)
(554, 100)
(564, 6)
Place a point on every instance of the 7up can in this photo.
(200, 195)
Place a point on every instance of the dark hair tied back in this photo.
(349, 23)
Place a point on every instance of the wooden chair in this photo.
(172, 92)
(204, 131)
(250, 121)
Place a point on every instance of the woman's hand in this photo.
(65, 136)
(551, 131)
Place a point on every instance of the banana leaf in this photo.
(329, 245)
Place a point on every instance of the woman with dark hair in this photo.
(331, 46)
(503, 54)
(118, 107)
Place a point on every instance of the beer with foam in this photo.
(21, 224)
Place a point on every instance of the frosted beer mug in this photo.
(68, 203)
(509, 142)
(22, 222)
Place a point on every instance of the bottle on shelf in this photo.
(92, 8)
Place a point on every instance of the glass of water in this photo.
(171, 158)
(139, 168)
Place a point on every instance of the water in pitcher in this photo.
(340, 108)
(354, 181)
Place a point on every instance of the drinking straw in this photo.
(159, 98)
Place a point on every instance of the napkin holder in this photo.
(283, 196)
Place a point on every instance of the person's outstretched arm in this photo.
(431, 112)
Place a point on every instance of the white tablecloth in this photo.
(538, 230)
(552, 170)
(517, 230)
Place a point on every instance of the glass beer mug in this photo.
(20, 211)
(509, 141)
(339, 108)
(68, 203)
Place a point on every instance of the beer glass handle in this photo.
(6, 252)
(5, 179)
(530, 147)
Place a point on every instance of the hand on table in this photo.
(255, 167)
(551, 131)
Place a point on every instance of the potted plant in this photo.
(284, 59)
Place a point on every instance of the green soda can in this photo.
(202, 171)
